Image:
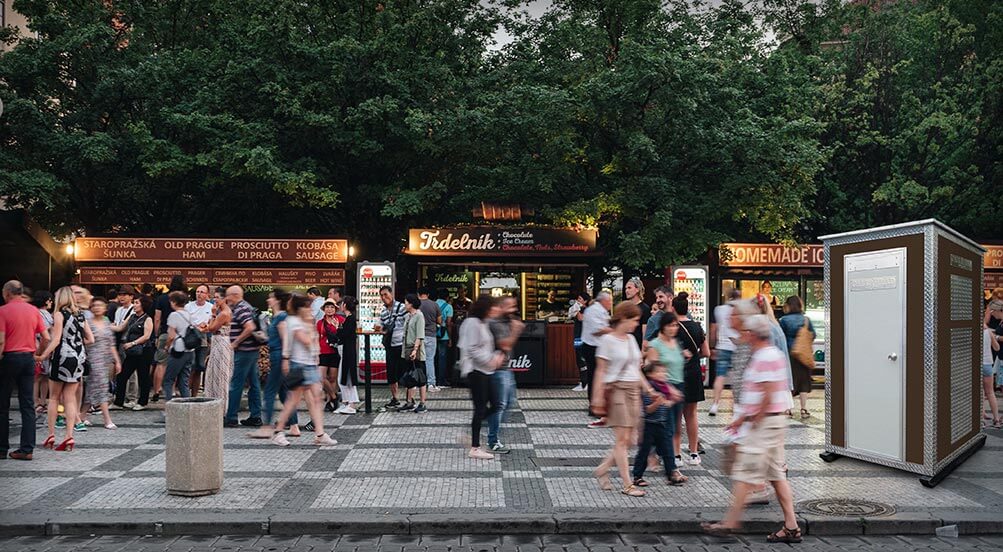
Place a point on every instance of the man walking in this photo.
(445, 333)
(20, 323)
(506, 330)
(724, 339)
(594, 320)
(433, 317)
(245, 361)
(126, 294)
(392, 323)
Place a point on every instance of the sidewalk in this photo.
(400, 473)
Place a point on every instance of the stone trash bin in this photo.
(194, 446)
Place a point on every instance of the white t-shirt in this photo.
(180, 322)
(200, 315)
(726, 335)
(122, 313)
(987, 347)
(298, 352)
(594, 319)
(622, 356)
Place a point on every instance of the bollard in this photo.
(194, 446)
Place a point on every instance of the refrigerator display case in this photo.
(371, 277)
(693, 280)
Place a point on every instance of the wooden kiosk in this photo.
(903, 347)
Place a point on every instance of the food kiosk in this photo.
(258, 264)
(904, 343)
(543, 267)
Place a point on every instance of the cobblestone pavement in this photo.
(405, 463)
(485, 543)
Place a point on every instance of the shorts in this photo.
(987, 370)
(311, 375)
(160, 356)
(723, 363)
(394, 364)
(760, 456)
(330, 360)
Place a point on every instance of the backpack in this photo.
(261, 323)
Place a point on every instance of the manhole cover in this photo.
(846, 507)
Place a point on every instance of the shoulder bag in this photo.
(607, 397)
(801, 350)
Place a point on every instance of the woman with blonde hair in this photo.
(618, 368)
(67, 368)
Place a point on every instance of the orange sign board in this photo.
(244, 275)
(771, 255)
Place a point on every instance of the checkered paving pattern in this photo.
(404, 462)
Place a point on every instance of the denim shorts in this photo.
(311, 374)
(723, 363)
(987, 370)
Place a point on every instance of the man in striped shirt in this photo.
(245, 361)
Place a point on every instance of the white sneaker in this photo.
(348, 410)
(433, 389)
(280, 439)
(693, 460)
(578, 388)
(713, 410)
(480, 454)
(340, 410)
(110, 426)
(324, 439)
(138, 407)
(130, 404)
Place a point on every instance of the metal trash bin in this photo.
(194, 446)
(904, 339)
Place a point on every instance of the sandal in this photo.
(998, 423)
(716, 529)
(640, 482)
(785, 535)
(789, 413)
(633, 491)
(603, 480)
(677, 479)
(805, 414)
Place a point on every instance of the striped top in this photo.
(242, 314)
(766, 373)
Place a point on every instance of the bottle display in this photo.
(373, 276)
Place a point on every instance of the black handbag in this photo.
(415, 376)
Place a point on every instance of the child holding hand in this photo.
(659, 425)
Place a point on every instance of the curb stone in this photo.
(686, 522)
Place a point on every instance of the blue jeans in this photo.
(430, 348)
(245, 369)
(441, 360)
(179, 369)
(503, 387)
(17, 371)
(658, 437)
(275, 383)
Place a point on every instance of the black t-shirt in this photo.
(645, 315)
(163, 306)
(691, 338)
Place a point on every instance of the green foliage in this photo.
(671, 126)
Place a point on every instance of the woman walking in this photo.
(70, 334)
(349, 381)
(219, 367)
(104, 363)
(759, 421)
(42, 300)
(180, 357)
(665, 350)
(990, 348)
(478, 361)
(300, 354)
(330, 357)
(791, 323)
(694, 343)
(275, 383)
(413, 353)
(137, 335)
(618, 369)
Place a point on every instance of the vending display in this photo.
(371, 277)
(693, 280)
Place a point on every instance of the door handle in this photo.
(893, 357)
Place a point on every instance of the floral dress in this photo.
(70, 356)
(219, 368)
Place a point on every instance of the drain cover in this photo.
(846, 507)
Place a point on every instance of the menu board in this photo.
(547, 294)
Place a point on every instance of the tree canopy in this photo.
(671, 126)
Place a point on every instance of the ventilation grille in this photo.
(961, 298)
(962, 374)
